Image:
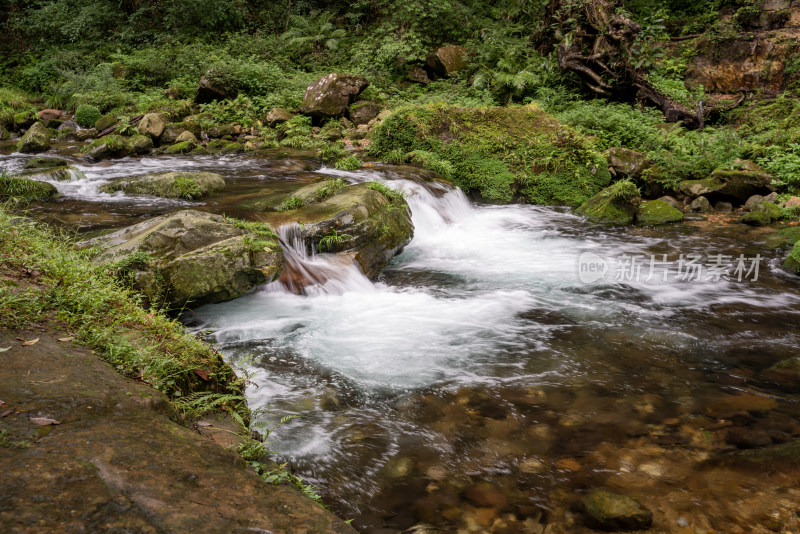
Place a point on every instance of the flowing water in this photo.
(488, 353)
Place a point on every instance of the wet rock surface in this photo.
(192, 257)
(186, 185)
(83, 449)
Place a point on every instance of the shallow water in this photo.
(481, 355)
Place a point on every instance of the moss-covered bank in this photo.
(500, 154)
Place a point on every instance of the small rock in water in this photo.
(700, 205)
(612, 511)
(485, 495)
(748, 438)
(741, 403)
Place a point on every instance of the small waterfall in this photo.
(315, 274)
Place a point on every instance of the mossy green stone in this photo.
(658, 212)
(106, 121)
(110, 146)
(186, 185)
(36, 139)
(232, 148)
(25, 189)
(604, 207)
(766, 213)
(792, 263)
(44, 163)
(180, 148)
(616, 512)
(140, 144)
(783, 238)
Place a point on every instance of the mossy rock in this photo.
(376, 226)
(364, 111)
(24, 189)
(331, 95)
(108, 147)
(612, 511)
(785, 372)
(730, 184)
(617, 204)
(765, 213)
(221, 131)
(784, 238)
(5, 135)
(105, 122)
(499, 154)
(792, 263)
(181, 148)
(60, 174)
(199, 150)
(232, 148)
(185, 185)
(36, 139)
(194, 257)
(657, 212)
(140, 144)
(216, 145)
(43, 162)
(173, 131)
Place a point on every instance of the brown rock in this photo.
(485, 495)
(741, 403)
(49, 114)
(447, 60)
(418, 75)
(331, 95)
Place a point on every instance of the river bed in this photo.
(509, 360)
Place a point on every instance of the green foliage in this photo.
(332, 152)
(188, 187)
(350, 163)
(622, 190)
(614, 124)
(86, 115)
(333, 241)
(392, 195)
(105, 316)
(784, 164)
(291, 203)
(431, 161)
(498, 152)
(330, 188)
(201, 403)
(297, 132)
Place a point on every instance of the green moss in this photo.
(292, 203)
(392, 195)
(786, 237)
(792, 263)
(498, 153)
(330, 188)
(232, 148)
(180, 148)
(765, 213)
(87, 115)
(22, 189)
(658, 212)
(615, 204)
(350, 163)
(106, 121)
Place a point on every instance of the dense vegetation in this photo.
(134, 56)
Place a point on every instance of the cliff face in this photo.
(764, 56)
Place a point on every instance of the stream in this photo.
(517, 349)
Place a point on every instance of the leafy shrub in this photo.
(350, 163)
(292, 203)
(86, 115)
(784, 164)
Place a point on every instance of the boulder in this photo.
(447, 60)
(723, 206)
(194, 257)
(24, 189)
(418, 75)
(762, 213)
(700, 205)
(64, 173)
(86, 134)
(186, 136)
(181, 148)
(174, 130)
(36, 139)
(224, 130)
(658, 212)
(612, 511)
(277, 116)
(730, 185)
(140, 144)
(793, 202)
(152, 124)
(110, 146)
(186, 185)
(105, 122)
(213, 88)
(785, 372)
(376, 223)
(49, 114)
(615, 204)
(364, 111)
(672, 202)
(792, 263)
(331, 95)
(623, 162)
(43, 162)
